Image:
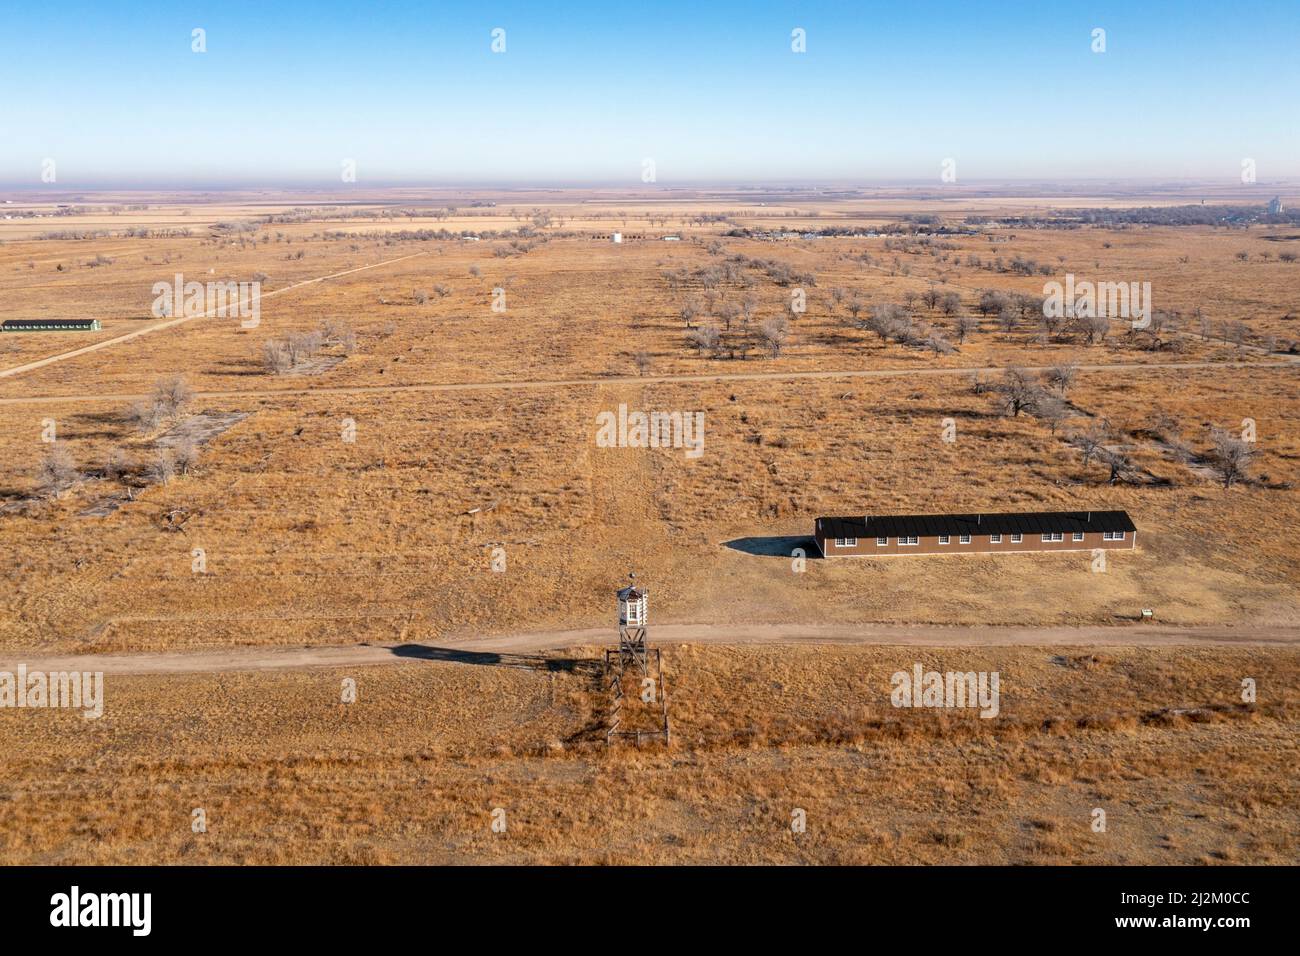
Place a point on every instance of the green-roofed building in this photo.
(50, 325)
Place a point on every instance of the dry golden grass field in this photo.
(428, 475)
(413, 770)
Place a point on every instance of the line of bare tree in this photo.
(298, 348)
(737, 342)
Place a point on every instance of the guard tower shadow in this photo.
(535, 662)
(776, 546)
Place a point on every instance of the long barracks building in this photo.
(857, 537)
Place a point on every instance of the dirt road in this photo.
(262, 394)
(483, 650)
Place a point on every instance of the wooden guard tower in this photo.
(632, 606)
(634, 674)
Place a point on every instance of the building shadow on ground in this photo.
(535, 662)
(777, 546)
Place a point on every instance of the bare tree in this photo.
(688, 313)
(1018, 393)
(334, 332)
(964, 326)
(642, 362)
(57, 472)
(147, 414)
(163, 467)
(738, 342)
(302, 347)
(1095, 328)
(1050, 323)
(1061, 376)
(991, 301)
(1092, 441)
(774, 332)
(115, 464)
(728, 312)
(275, 357)
(185, 455)
(937, 344)
(855, 308)
(705, 338)
(1007, 320)
(330, 330)
(174, 394)
(1119, 463)
(1235, 333)
(1230, 457)
(1051, 410)
(1028, 305)
(1168, 426)
(886, 319)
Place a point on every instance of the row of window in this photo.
(1016, 538)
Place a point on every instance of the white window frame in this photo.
(963, 539)
(1114, 535)
(1017, 537)
(995, 539)
(1053, 536)
(882, 542)
(908, 540)
(945, 539)
(846, 542)
(1077, 536)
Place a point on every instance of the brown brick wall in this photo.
(979, 544)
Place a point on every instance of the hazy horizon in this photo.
(1221, 189)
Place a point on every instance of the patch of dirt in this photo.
(317, 366)
(200, 429)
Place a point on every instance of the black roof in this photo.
(32, 323)
(928, 526)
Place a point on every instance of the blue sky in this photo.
(710, 91)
